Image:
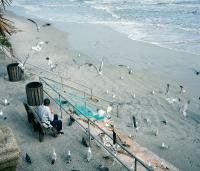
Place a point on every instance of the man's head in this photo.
(46, 102)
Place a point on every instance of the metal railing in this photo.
(135, 158)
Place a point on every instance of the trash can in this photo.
(15, 73)
(34, 93)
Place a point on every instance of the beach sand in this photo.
(153, 68)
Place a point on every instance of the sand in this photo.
(153, 66)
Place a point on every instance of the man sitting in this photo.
(47, 116)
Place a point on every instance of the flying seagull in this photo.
(38, 27)
(53, 157)
(38, 47)
(99, 70)
(197, 72)
(28, 159)
(130, 71)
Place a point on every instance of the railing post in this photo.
(135, 165)
(89, 131)
(60, 106)
(117, 110)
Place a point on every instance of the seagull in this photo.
(89, 154)
(197, 72)
(101, 112)
(53, 157)
(156, 132)
(133, 95)
(182, 89)
(109, 109)
(5, 102)
(164, 146)
(69, 157)
(1, 112)
(164, 122)
(167, 89)
(28, 159)
(121, 77)
(107, 91)
(52, 67)
(38, 47)
(38, 27)
(184, 108)
(103, 168)
(130, 71)
(153, 92)
(99, 70)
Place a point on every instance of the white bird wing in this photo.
(101, 66)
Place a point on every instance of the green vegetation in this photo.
(6, 27)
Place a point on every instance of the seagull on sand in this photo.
(52, 67)
(130, 71)
(28, 159)
(99, 70)
(164, 146)
(1, 112)
(69, 157)
(53, 157)
(103, 168)
(89, 154)
(156, 132)
(37, 26)
(184, 108)
(5, 102)
(164, 122)
(38, 47)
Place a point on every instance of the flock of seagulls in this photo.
(54, 157)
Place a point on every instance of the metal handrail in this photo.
(132, 155)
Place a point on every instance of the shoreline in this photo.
(143, 93)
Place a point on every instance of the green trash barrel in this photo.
(34, 93)
(15, 73)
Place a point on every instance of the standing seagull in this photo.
(167, 89)
(99, 70)
(69, 157)
(130, 71)
(28, 159)
(89, 154)
(38, 27)
(53, 157)
(5, 102)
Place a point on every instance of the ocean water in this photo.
(174, 24)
